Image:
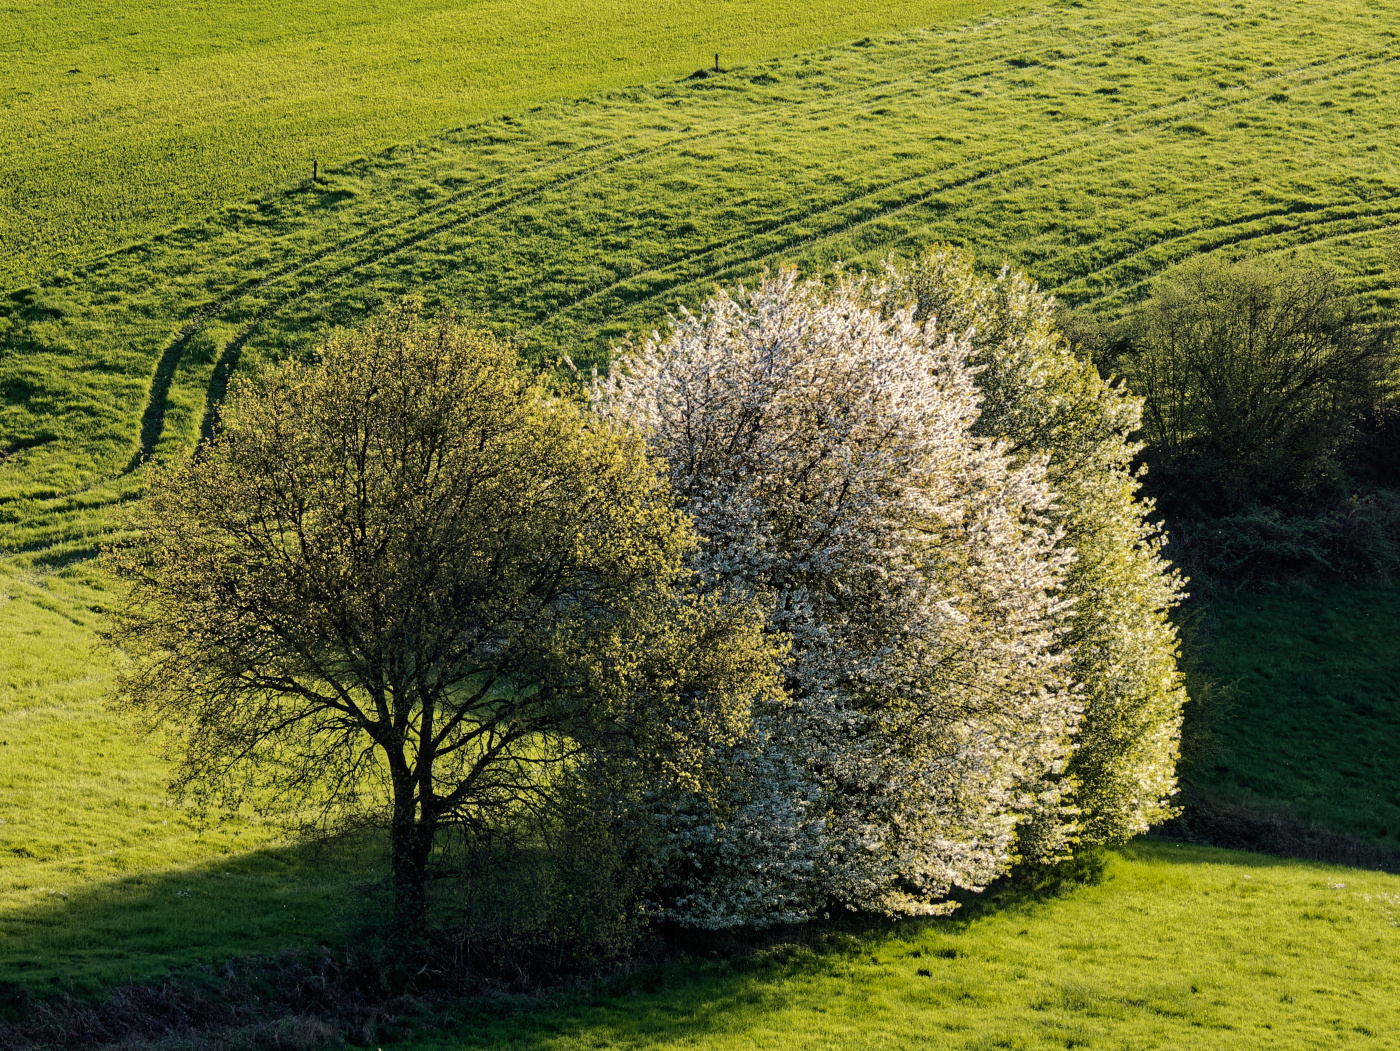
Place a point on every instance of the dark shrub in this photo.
(1257, 382)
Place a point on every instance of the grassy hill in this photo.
(1093, 143)
(1307, 730)
(119, 121)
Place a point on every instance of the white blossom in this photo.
(826, 453)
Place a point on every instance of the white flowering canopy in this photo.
(1043, 400)
(826, 451)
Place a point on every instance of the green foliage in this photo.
(518, 918)
(1254, 378)
(122, 122)
(1042, 400)
(1261, 549)
(405, 587)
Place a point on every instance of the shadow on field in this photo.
(270, 948)
(248, 969)
(141, 927)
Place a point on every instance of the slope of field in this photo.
(1093, 142)
(1179, 948)
(118, 121)
(1311, 721)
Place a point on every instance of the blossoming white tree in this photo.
(1043, 401)
(826, 453)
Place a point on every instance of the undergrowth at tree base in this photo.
(1261, 549)
(1269, 826)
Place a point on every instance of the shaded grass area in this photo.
(101, 878)
(1179, 947)
(1309, 727)
(118, 121)
(1174, 947)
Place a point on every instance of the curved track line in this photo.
(150, 431)
(950, 187)
(1124, 292)
(1280, 228)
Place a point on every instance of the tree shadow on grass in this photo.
(142, 927)
(722, 997)
(685, 988)
(152, 945)
(708, 986)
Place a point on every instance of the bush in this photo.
(1356, 539)
(1271, 418)
(1257, 380)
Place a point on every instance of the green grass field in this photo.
(1093, 143)
(118, 122)
(101, 879)
(1178, 948)
(1311, 713)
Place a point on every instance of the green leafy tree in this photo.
(408, 586)
(1040, 399)
(1257, 379)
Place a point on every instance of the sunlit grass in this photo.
(118, 121)
(1093, 145)
(1179, 947)
(101, 878)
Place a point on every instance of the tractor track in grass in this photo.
(153, 414)
(1126, 293)
(1210, 237)
(914, 200)
(914, 84)
(151, 423)
(842, 89)
(218, 385)
(152, 419)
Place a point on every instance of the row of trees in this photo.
(836, 594)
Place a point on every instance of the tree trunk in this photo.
(410, 845)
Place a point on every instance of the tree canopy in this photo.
(1255, 378)
(407, 585)
(826, 453)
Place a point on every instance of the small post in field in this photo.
(313, 169)
(716, 61)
